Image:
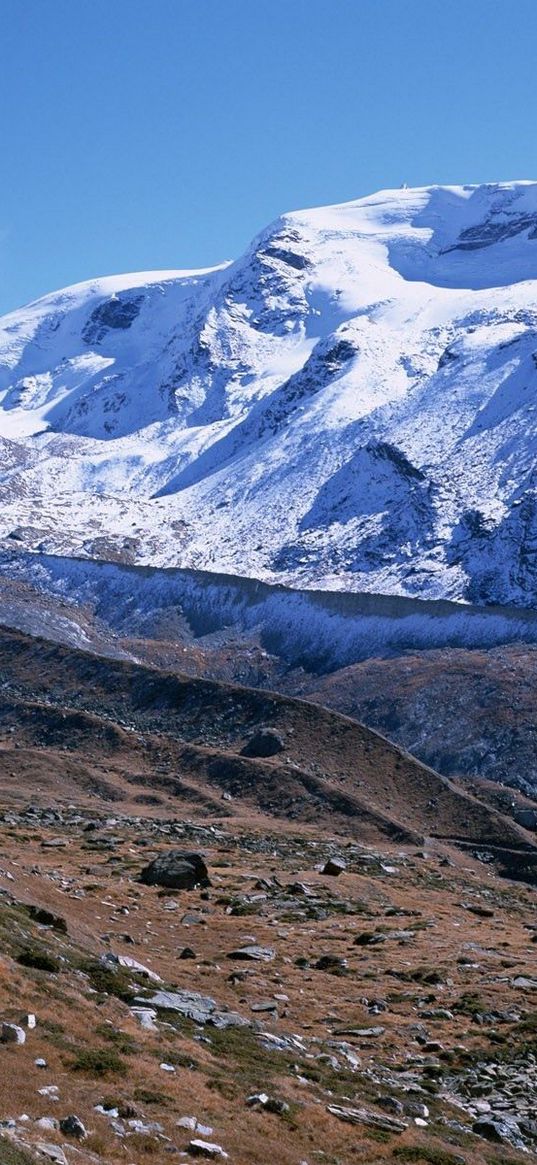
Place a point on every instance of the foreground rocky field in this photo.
(386, 1014)
(249, 999)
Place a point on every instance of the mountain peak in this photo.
(349, 405)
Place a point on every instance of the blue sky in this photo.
(139, 134)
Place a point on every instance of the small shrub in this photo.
(151, 1096)
(39, 960)
(96, 1144)
(428, 1155)
(470, 1003)
(109, 982)
(122, 1041)
(145, 1144)
(99, 1062)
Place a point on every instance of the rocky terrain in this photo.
(284, 989)
(334, 952)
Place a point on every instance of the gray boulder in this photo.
(177, 869)
(265, 742)
(11, 1033)
(72, 1126)
(334, 866)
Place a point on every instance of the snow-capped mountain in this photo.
(350, 405)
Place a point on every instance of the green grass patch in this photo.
(124, 1043)
(151, 1096)
(11, 1154)
(98, 1062)
(427, 1155)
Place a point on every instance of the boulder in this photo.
(269, 1103)
(331, 963)
(499, 1129)
(334, 867)
(11, 1033)
(114, 962)
(47, 918)
(200, 1009)
(198, 1148)
(364, 1116)
(265, 742)
(253, 954)
(52, 1152)
(369, 938)
(176, 869)
(72, 1126)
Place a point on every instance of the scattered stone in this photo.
(300, 888)
(176, 869)
(331, 963)
(369, 938)
(40, 1062)
(72, 1126)
(187, 953)
(361, 1032)
(48, 1123)
(146, 1017)
(200, 1148)
(334, 867)
(390, 1104)
(194, 1126)
(523, 982)
(480, 911)
(413, 1108)
(363, 1116)
(147, 1127)
(269, 1103)
(266, 742)
(53, 1152)
(114, 962)
(11, 1033)
(47, 918)
(50, 1091)
(253, 953)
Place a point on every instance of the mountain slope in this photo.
(350, 405)
(187, 738)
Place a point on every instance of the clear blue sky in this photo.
(139, 134)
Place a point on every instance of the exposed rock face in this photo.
(176, 869)
(202, 1009)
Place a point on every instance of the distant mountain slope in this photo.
(329, 769)
(351, 405)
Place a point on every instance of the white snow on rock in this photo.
(351, 405)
